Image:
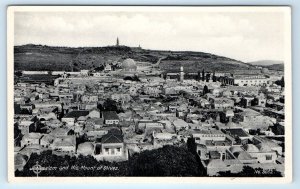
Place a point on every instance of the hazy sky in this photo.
(246, 36)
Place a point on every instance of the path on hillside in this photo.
(158, 62)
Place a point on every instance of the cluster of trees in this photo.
(99, 68)
(18, 73)
(166, 161)
(206, 77)
(110, 105)
(205, 90)
(38, 127)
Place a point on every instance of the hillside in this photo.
(270, 64)
(266, 62)
(39, 57)
(277, 67)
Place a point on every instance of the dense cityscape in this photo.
(212, 122)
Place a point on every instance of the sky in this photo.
(244, 35)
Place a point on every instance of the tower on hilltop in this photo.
(117, 43)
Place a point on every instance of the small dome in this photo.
(129, 65)
(55, 121)
(234, 149)
(85, 148)
(115, 131)
(251, 148)
(242, 155)
(265, 70)
(231, 124)
(182, 107)
(263, 147)
(82, 118)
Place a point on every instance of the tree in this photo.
(280, 82)
(205, 90)
(207, 77)
(18, 73)
(134, 78)
(99, 68)
(243, 103)
(111, 105)
(17, 134)
(17, 131)
(214, 77)
(203, 75)
(198, 76)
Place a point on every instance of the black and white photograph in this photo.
(158, 92)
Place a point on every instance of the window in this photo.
(268, 157)
(118, 149)
(106, 150)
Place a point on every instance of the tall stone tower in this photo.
(181, 74)
(117, 44)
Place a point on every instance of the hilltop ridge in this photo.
(41, 57)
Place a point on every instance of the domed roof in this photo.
(231, 124)
(251, 148)
(234, 149)
(55, 121)
(265, 70)
(85, 148)
(182, 107)
(263, 147)
(242, 155)
(115, 131)
(81, 118)
(129, 64)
